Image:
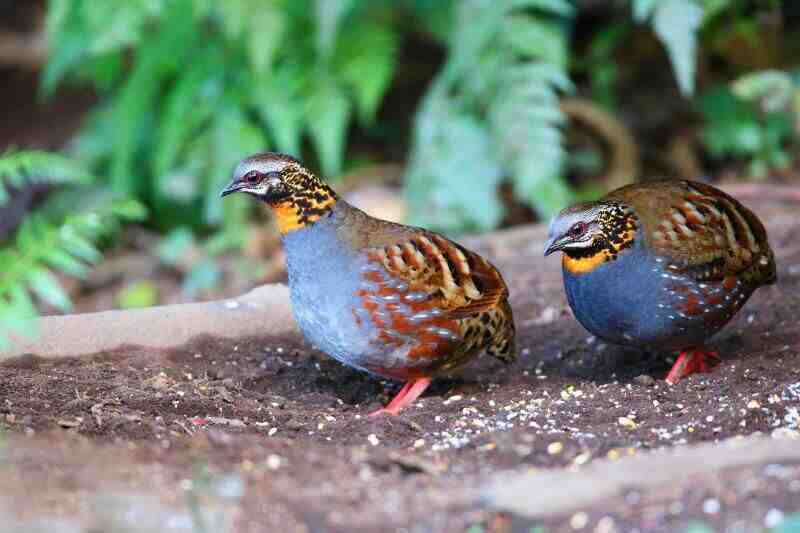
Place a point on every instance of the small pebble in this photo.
(554, 448)
(452, 399)
(582, 458)
(626, 422)
(419, 443)
(579, 520)
(272, 431)
(773, 518)
(274, 461)
(373, 439)
(711, 506)
(606, 525)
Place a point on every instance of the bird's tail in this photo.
(504, 346)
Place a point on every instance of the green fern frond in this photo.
(508, 118)
(366, 56)
(676, 23)
(20, 168)
(305, 69)
(42, 246)
(48, 240)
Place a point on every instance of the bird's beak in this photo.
(554, 244)
(234, 186)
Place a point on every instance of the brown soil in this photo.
(290, 423)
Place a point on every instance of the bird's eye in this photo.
(578, 229)
(252, 177)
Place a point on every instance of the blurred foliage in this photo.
(754, 119)
(137, 295)
(491, 113)
(61, 235)
(189, 87)
(192, 86)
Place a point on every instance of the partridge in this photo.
(661, 265)
(397, 301)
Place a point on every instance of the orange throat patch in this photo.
(294, 214)
(582, 265)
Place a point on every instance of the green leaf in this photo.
(138, 295)
(157, 60)
(676, 22)
(16, 313)
(327, 118)
(128, 210)
(328, 16)
(234, 137)
(712, 8)
(365, 60)
(64, 262)
(537, 38)
(267, 30)
(18, 168)
(45, 286)
(477, 24)
(772, 88)
(643, 9)
(188, 105)
(67, 42)
(79, 245)
(454, 173)
(731, 125)
(276, 98)
(558, 7)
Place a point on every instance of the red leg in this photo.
(410, 392)
(690, 362)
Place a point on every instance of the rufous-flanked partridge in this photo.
(661, 265)
(397, 301)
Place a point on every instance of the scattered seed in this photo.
(773, 518)
(274, 461)
(711, 506)
(554, 448)
(579, 520)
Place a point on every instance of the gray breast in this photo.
(324, 277)
(638, 300)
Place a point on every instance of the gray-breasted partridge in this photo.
(661, 265)
(398, 301)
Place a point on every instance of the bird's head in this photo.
(591, 233)
(297, 197)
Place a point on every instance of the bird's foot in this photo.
(690, 362)
(410, 392)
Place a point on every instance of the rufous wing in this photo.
(447, 301)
